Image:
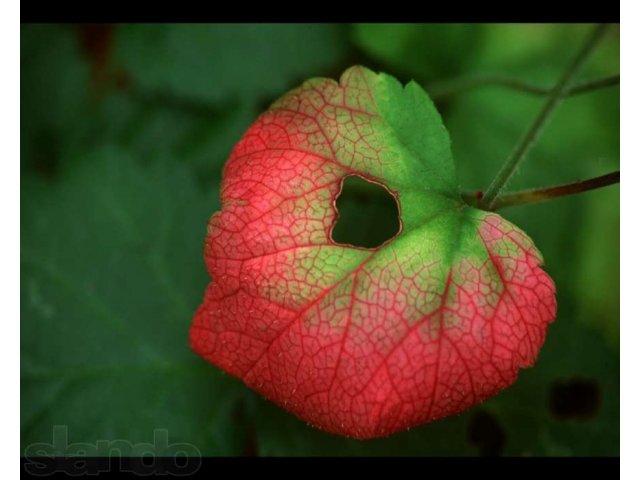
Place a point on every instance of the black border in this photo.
(559, 11)
(329, 467)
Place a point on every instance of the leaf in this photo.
(364, 342)
(201, 138)
(424, 51)
(528, 48)
(219, 63)
(55, 82)
(109, 274)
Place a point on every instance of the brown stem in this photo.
(542, 194)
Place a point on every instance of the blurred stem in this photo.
(531, 135)
(542, 194)
(442, 90)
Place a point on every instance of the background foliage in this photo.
(124, 131)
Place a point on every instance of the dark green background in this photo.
(124, 132)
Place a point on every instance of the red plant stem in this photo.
(542, 194)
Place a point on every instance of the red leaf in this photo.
(364, 342)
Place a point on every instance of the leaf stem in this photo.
(591, 85)
(445, 89)
(526, 142)
(542, 194)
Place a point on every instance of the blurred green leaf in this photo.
(54, 86)
(218, 63)
(539, 50)
(423, 52)
(111, 273)
(202, 139)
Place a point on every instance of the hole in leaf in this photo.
(575, 398)
(367, 214)
(486, 433)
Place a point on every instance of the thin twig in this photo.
(532, 134)
(448, 88)
(536, 195)
(591, 85)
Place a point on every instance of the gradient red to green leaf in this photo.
(364, 342)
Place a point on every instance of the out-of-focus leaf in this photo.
(526, 48)
(202, 138)
(422, 51)
(111, 269)
(218, 63)
(54, 85)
